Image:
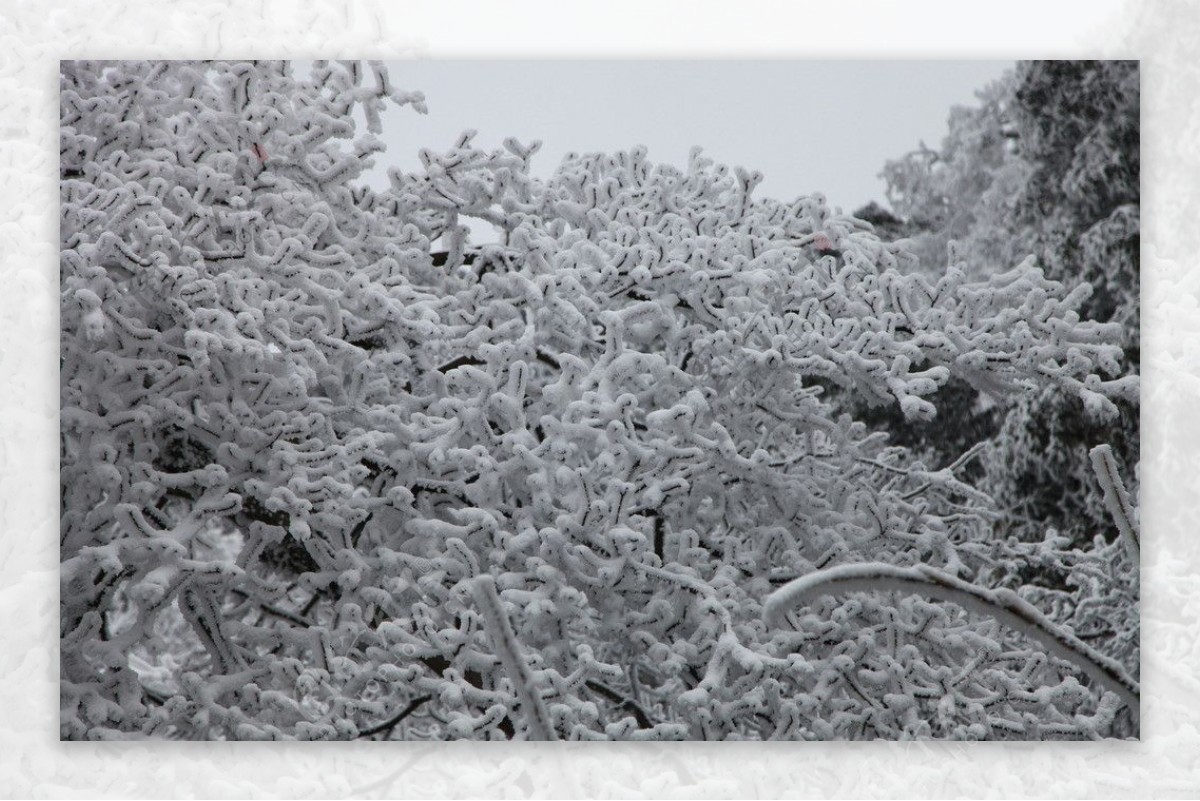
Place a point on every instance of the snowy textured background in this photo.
(34, 763)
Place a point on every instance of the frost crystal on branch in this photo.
(321, 479)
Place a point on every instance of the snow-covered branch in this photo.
(1003, 605)
(1116, 498)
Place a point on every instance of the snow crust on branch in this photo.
(509, 652)
(1116, 498)
(1003, 605)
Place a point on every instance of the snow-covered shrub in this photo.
(319, 481)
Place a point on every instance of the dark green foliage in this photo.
(962, 421)
(885, 224)
(288, 557)
(1047, 164)
(180, 453)
(1079, 126)
(1037, 468)
(1079, 123)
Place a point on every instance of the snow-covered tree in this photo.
(965, 191)
(1080, 129)
(321, 481)
(1046, 164)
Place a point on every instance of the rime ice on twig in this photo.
(508, 651)
(1116, 498)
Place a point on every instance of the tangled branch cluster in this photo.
(320, 480)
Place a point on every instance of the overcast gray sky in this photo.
(808, 126)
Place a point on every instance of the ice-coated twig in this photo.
(1116, 498)
(695, 585)
(1003, 605)
(387, 725)
(508, 651)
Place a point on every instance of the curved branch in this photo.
(1003, 605)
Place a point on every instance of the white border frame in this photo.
(33, 763)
